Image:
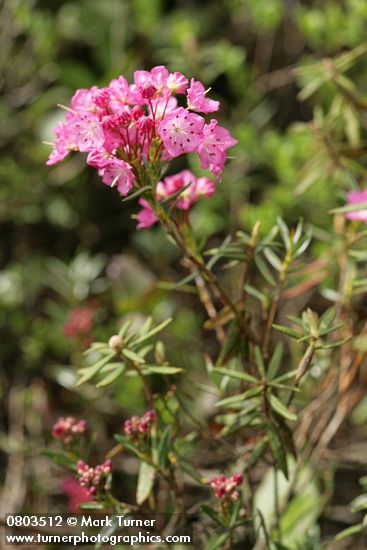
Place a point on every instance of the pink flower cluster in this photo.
(136, 425)
(79, 323)
(68, 429)
(192, 189)
(225, 488)
(357, 197)
(93, 479)
(123, 127)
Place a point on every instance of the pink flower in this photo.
(88, 131)
(98, 158)
(181, 131)
(79, 323)
(225, 488)
(93, 479)
(141, 425)
(357, 197)
(64, 143)
(163, 106)
(131, 426)
(177, 83)
(118, 173)
(195, 188)
(146, 217)
(83, 99)
(157, 78)
(146, 421)
(191, 188)
(196, 100)
(101, 98)
(211, 150)
(68, 429)
(120, 94)
(77, 494)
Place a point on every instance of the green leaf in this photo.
(287, 331)
(61, 459)
(275, 361)
(273, 259)
(217, 541)
(286, 376)
(284, 231)
(277, 449)
(235, 513)
(259, 361)
(349, 208)
(89, 372)
(359, 503)
(132, 356)
(236, 374)
(112, 376)
(91, 506)
(264, 270)
(154, 331)
(281, 409)
(156, 369)
(190, 471)
(164, 447)
(145, 482)
(212, 514)
(137, 193)
(128, 445)
(350, 531)
(235, 399)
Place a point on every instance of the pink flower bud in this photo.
(101, 98)
(145, 124)
(137, 112)
(147, 90)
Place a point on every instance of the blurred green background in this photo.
(68, 242)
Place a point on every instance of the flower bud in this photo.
(115, 342)
(147, 90)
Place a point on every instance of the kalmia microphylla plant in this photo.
(280, 381)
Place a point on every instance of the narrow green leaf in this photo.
(281, 409)
(91, 506)
(217, 541)
(277, 449)
(61, 458)
(154, 331)
(264, 270)
(212, 514)
(89, 372)
(244, 376)
(157, 369)
(235, 399)
(350, 531)
(132, 356)
(127, 444)
(111, 377)
(137, 193)
(287, 331)
(284, 231)
(164, 447)
(275, 361)
(349, 208)
(260, 361)
(273, 259)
